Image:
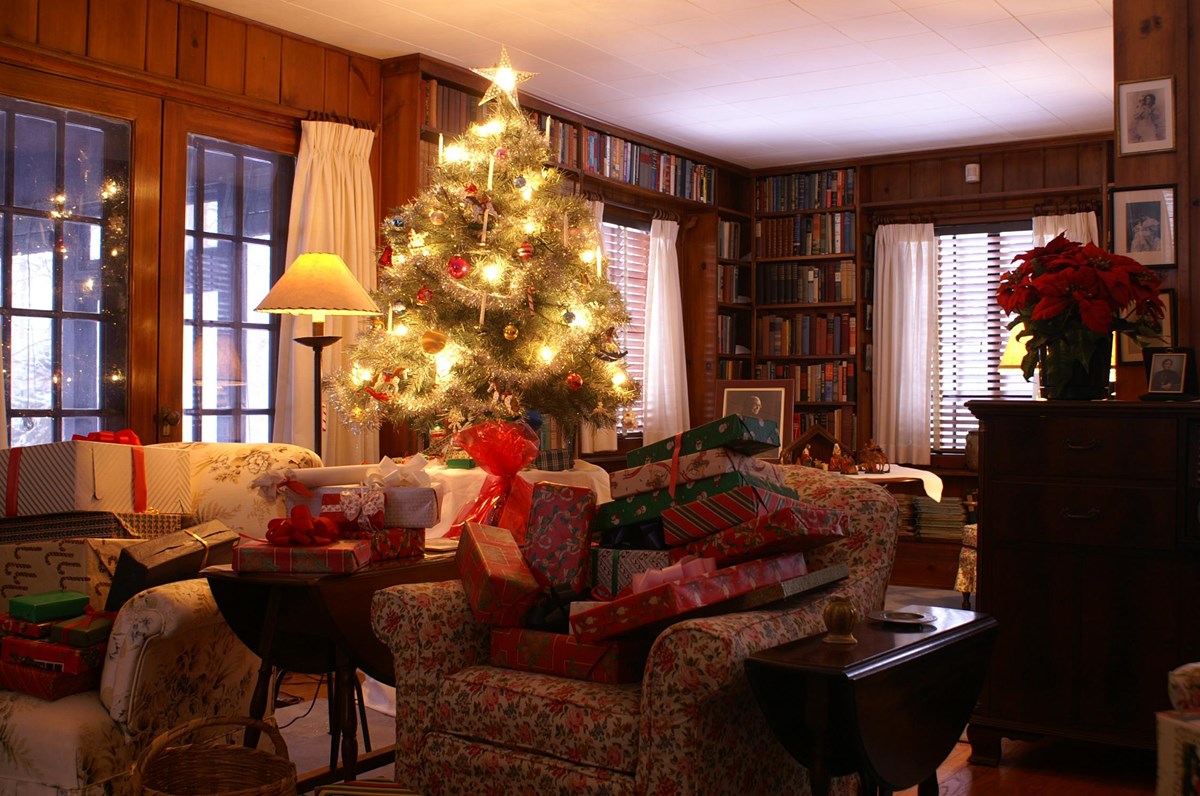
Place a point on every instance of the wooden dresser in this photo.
(1089, 558)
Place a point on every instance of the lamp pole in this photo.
(317, 342)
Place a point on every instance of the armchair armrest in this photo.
(172, 658)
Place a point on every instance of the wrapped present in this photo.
(87, 630)
(80, 565)
(1178, 745)
(502, 449)
(556, 540)
(178, 556)
(687, 522)
(555, 459)
(45, 684)
(617, 661)
(81, 475)
(47, 606)
(409, 471)
(92, 525)
(797, 527)
(639, 536)
(403, 506)
(645, 506)
(498, 582)
(358, 511)
(393, 543)
(669, 602)
(11, 626)
(692, 467)
(735, 432)
(345, 555)
(801, 584)
(50, 656)
(614, 568)
(460, 463)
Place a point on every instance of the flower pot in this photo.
(1064, 378)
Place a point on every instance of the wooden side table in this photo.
(317, 623)
(890, 707)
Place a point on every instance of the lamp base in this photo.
(316, 343)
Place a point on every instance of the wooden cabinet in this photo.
(1089, 554)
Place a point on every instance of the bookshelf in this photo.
(808, 307)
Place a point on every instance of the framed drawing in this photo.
(1129, 352)
(1146, 116)
(767, 398)
(1143, 224)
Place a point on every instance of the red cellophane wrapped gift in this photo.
(793, 528)
(616, 661)
(498, 583)
(502, 449)
(673, 600)
(556, 541)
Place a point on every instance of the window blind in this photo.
(627, 250)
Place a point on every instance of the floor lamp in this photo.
(318, 284)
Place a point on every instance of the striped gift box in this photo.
(691, 521)
(797, 527)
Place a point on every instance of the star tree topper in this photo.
(504, 79)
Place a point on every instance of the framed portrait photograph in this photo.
(1143, 224)
(1129, 352)
(767, 398)
(1146, 116)
(1167, 370)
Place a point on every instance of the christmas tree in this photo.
(495, 296)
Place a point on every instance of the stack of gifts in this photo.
(54, 644)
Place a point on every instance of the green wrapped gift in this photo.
(47, 606)
(82, 631)
(649, 505)
(460, 463)
(740, 433)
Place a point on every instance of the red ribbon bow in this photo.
(302, 529)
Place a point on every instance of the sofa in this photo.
(171, 656)
(691, 726)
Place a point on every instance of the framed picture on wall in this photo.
(1129, 352)
(1143, 224)
(1146, 116)
(767, 398)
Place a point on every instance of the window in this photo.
(627, 249)
(971, 332)
(236, 230)
(64, 270)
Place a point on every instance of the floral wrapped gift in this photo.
(556, 541)
(688, 522)
(53, 657)
(691, 467)
(395, 543)
(797, 527)
(616, 661)
(499, 584)
(735, 432)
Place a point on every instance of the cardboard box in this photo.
(347, 555)
(736, 432)
(797, 528)
(80, 475)
(177, 556)
(639, 508)
(692, 467)
(499, 585)
(616, 661)
(403, 507)
(557, 535)
(46, 684)
(1178, 752)
(82, 565)
(91, 524)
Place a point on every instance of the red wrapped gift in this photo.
(51, 656)
(691, 521)
(393, 543)
(498, 583)
(45, 684)
(22, 627)
(346, 555)
(618, 661)
(673, 601)
(794, 528)
(502, 449)
(556, 541)
(358, 511)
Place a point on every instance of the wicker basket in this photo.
(169, 768)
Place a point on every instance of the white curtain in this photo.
(1079, 227)
(591, 438)
(905, 332)
(664, 390)
(333, 210)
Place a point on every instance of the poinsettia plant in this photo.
(1071, 297)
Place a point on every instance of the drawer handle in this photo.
(1091, 514)
(1072, 445)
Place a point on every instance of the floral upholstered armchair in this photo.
(171, 656)
(690, 727)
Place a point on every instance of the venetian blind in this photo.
(627, 250)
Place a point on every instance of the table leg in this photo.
(346, 676)
(262, 688)
(334, 706)
(929, 787)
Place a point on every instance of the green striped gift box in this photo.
(691, 521)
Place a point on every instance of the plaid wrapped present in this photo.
(556, 537)
(393, 543)
(614, 568)
(639, 508)
(499, 585)
(617, 661)
(735, 432)
(688, 522)
(45, 684)
(50, 656)
(796, 527)
(11, 626)
(346, 555)
(47, 606)
(555, 459)
(669, 602)
(692, 467)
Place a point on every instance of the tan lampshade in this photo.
(318, 284)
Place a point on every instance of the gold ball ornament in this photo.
(433, 341)
(511, 332)
(437, 217)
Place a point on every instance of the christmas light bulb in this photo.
(530, 227)
(489, 128)
(547, 354)
(399, 330)
(587, 256)
(445, 360)
(527, 192)
(360, 375)
(456, 153)
(582, 318)
(493, 272)
(619, 378)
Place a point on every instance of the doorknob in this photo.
(169, 418)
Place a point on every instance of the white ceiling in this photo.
(764, 82)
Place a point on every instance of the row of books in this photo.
(840, 423)
(800, 283)
(732, 284)
(647, 167)
(727, 335)
(562, 138)
(732, 368)
(729, 241)
(798, 236)
(812, 190)
(820, 382)
(807, 335)
(449, 109)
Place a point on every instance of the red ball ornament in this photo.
(574, 382)
(501, 153)
(471, 189)
(458, 267)
(424, 295)
(525, 250)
